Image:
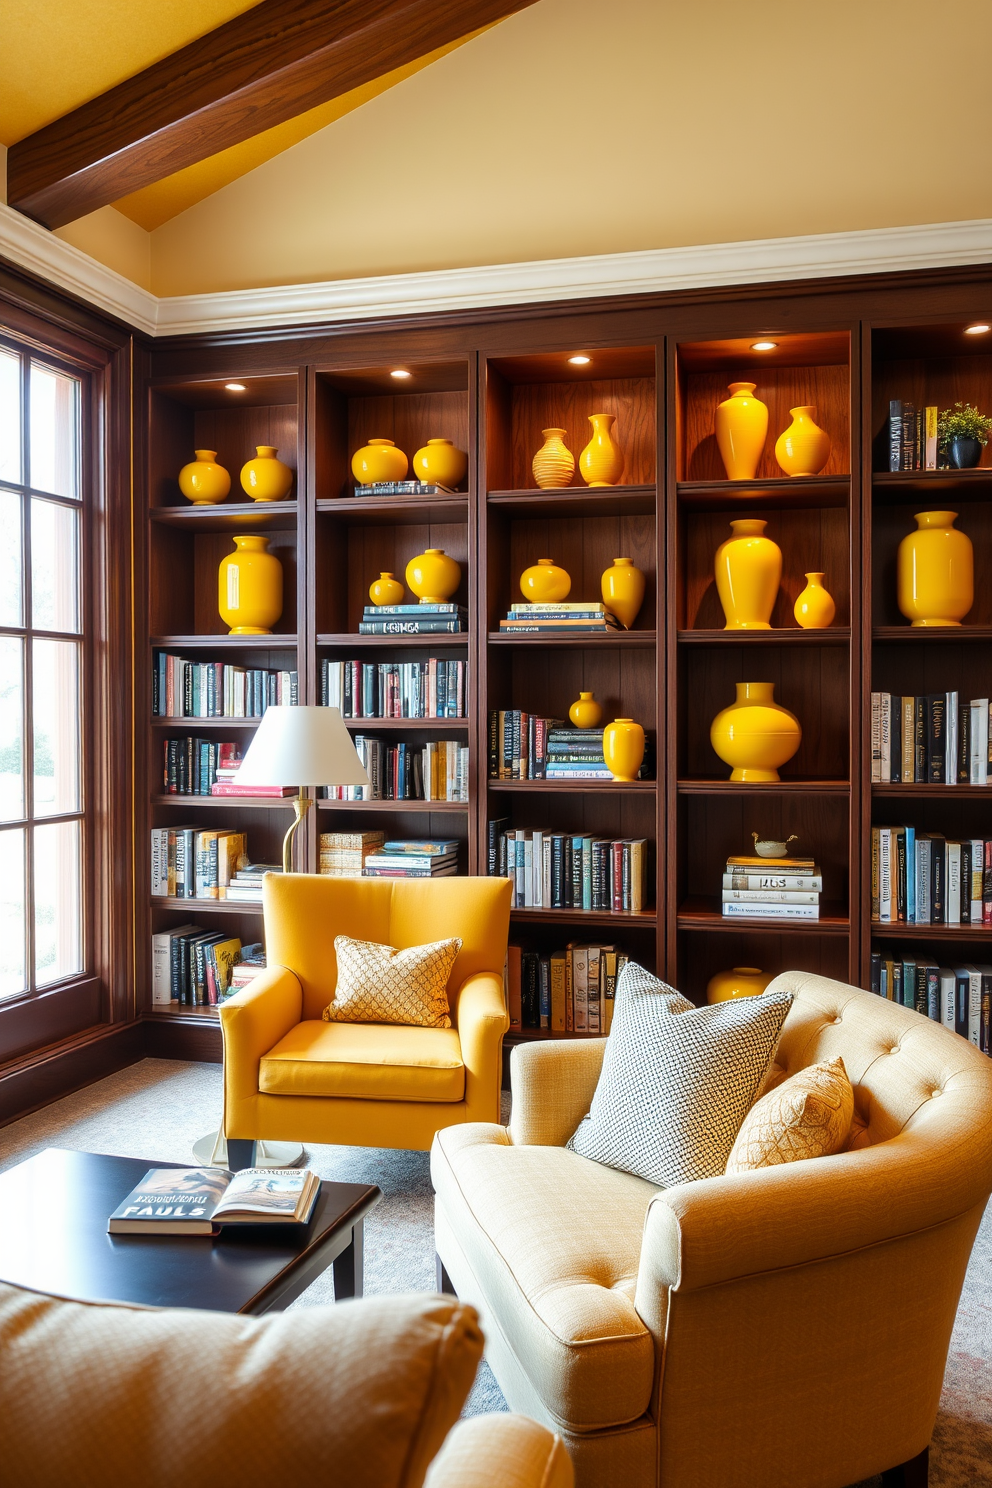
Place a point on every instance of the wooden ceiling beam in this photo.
(268, 65)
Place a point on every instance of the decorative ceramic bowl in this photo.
(773, 849)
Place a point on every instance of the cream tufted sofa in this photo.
(786, 1328)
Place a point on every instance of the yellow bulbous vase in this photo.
(623, 748)
(249, 587)
(936, 570)
(601, 462)
(203, 481)
(815, 608)
(386, 590)
(755, 734)
(544, 582)
(741, 427)
(742, 981)
(439, 463)
(433, 576)
(585, 712)
(803, 448)
(379, 461)
(748, 569)
(622, 587)
(554, 463)
(265, 478)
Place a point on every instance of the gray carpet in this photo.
(156, 1110)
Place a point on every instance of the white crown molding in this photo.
(764, 260)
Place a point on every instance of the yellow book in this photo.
(558, 960)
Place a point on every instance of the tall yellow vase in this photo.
(623, 748)
(249, 587)
(804, 448)
(748, 572)
(265, 478)
(815, 608)
(741, 427)
(755, 734)
(936, 571)
(554, 463)
(601, 462)
(622, 587)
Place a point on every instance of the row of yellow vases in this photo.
(438, 463)
(742, 427)
(600, 463)
(265, 478)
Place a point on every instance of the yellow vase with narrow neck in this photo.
(249, 587)
(623, 748)
(748, 570)
(265, 478)
(585, 712)
(755, 735)
(936, 569)
(554, 463)
(203, 481)
(815, 608)
(741, 427)
(803, 448)
(601, 462)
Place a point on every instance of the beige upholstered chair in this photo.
(785, 1328)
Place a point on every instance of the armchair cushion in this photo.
(373, 1061)
(379, 984)
(808, 1115)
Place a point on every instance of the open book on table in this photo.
(196, 1201)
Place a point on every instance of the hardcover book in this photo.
(196, 1201)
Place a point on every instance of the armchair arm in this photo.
(553, 1084)
(482, 1022)
(251, 1022)
(501, 1452)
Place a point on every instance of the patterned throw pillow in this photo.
(808, 1115)
(677, 1080)
(379, 984)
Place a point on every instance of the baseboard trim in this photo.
(31, 1083)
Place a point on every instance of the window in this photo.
(42, 695)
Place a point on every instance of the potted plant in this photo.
(962, 434)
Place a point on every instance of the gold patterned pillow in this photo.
(379, 984)
(808, 1115)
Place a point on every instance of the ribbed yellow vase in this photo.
(804, 448)
(249, 587)
(741, 427)
(742, 981)
(554, 463)
(755, 734)
(623, 748)
(748, 569)
(601, 462)
(203, 481)
(622, 588)
(585, 712)
(936, 568)
(265, 478)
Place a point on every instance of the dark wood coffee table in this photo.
(53, 1238)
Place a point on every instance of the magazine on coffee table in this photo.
(197, 1201)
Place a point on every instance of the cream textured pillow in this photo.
(379, 984)
(808, 1115)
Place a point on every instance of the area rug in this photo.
(156, 1109)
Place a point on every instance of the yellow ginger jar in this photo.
(439, 463)
(433, 576)
(554, 463)
(815, 608)
(585, 712)
(249, 587)
(936, 569)
(623, 748)
(743, 981)
(804, 448)
(544, 582)
(755, 734)
(622, 587)
(601, 462)
(265, 478)
(379, 461)
(748, 572)
(203, 481)
(386, 590)
(741, 427)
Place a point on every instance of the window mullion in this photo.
(28, 703)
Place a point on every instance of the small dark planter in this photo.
(964, 454)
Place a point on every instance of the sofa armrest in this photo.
(252, 1022)
(482, 1022)
(501, 1452)
(553, 1084)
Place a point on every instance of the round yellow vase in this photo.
(554, 463)
(743, 981)
(203, 481)
(585, 712)
(265, 478)
(433, 576)
(755, 735)
(622, 588)
(386, 590)
(623, 748)
(814, 609)
(804, 448)
(741, 427)
(379, 461)
(601, 462)
(544, 582)
(936, 571)
(249, 587)
(748, 572)
(439, 463)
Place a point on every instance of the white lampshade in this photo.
(301, 746)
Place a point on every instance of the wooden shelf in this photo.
(577, 501)
(227, 803)
(419, 641)
(891, 487)
(384, 511)
(900, 930)
(779, 492)
(925, 790)
(529, 1035)
(460, 808)
(835, 635)
(202, 1013)
(196, 907)
(957, 635)
(636, 639)
(704, 914)
(576, 787)
(691, 787)
(403, 725)
(228, 516)
(271, 642)
(193, 725)
(647, 917)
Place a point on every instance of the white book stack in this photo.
(772, 889)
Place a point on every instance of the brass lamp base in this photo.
(301, 805)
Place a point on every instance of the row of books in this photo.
(525, 746)
(192, 862)
(394, 689)
(565, 870)
(438, 771)
(565, 619)
(568, 991)
(912, 436)
(196, 967)
(771, 888)
(932, 739)
(403, 488)
(959, 997)
(214, 689)
(418, 619)
(923, 879)
(189, 766)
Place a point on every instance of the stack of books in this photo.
(771, 888)
(247, 967)
(566, 619)
(960, 997)
(576, 754)
(190, 766)
(414, 858)
(932, 739)
(191, 862)
(246, 884)
(438, 771)
(198, 968)
(413, 619)
(394, 689)
(226, 784)
(923, 879)
(403, 488)
(212, 689)
(343, 854)
(912, 436)
(562, 870)
(569, 991)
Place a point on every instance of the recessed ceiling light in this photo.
(977, 330)
(235, 387)
(400, 372)
(580, 361)
(763, 345)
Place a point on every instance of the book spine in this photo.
(895, 434)
(936, 738)
(772, 911)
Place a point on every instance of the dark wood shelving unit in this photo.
(579, 501)
(635, 640)
(839, 635)
(763, 787)
(228, 516)
(406, 725)
(899, 930)
(777, 494)
(574, 787)
(194, 907)
(703, 914)
(926, 791)
(409, 807)
(347, 641)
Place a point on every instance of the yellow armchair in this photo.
(289, 1076)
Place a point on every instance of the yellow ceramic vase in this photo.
(544, 582)
(755, 735)
(748, 573)
(743, 981)
(623, 748)
(433, 576)
(439, 463)
(741, 427)
(249, 587)
(377, 461)
(814, 609)
(554, 464)
(622, 588)
(601, 462)
(386, 590)
(936, 571)
(585, 712)
(203, 481)
(804, 448)
(265, 478)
